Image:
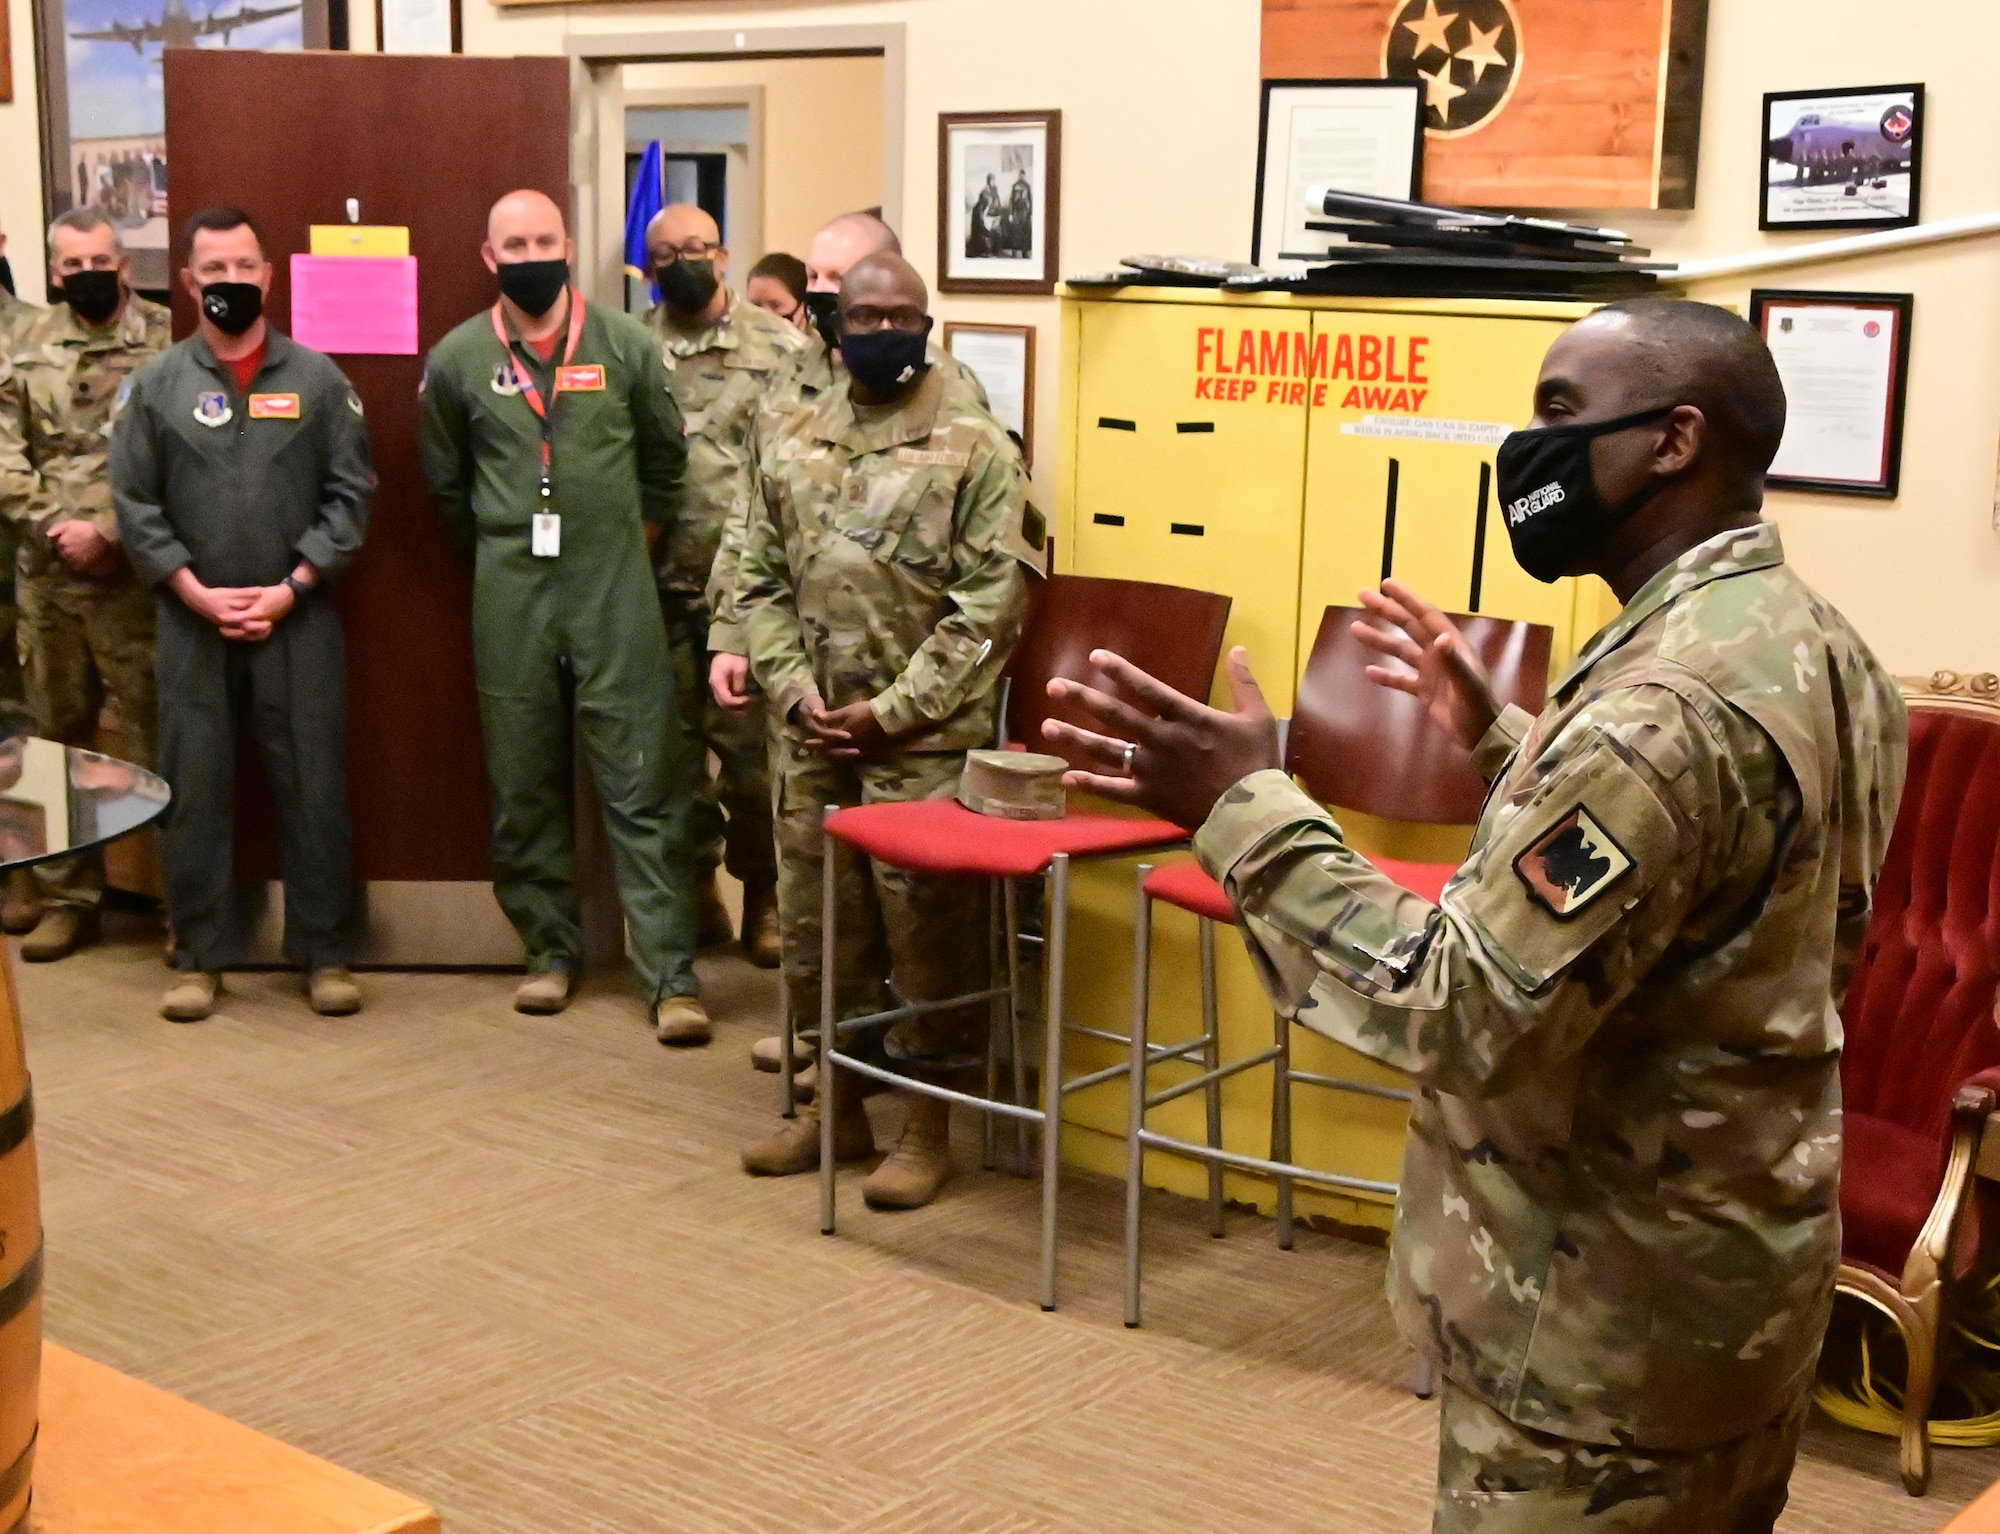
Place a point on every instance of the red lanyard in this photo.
(529, 392)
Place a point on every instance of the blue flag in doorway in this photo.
(648, 197)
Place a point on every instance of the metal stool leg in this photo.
(1211, 1059)
(1012, 901)
(1423, 1379)
(995, 1014)
(788, 1101)
(1055, 954)
(1135, 1150)
(1281, 1126)
(829, 1029)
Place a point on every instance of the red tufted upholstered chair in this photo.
(1921, 1068)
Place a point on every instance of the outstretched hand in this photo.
(1442, 671)
(1183, 757)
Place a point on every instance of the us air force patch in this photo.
(213, 409)
(1573, 863)
(507, 380)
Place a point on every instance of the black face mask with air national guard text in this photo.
(1548, 491)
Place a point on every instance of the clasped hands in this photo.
(1179, 759)
(86, 550)
(245, 613)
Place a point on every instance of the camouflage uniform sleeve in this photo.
(138, 488)
(21, 498)
(444, 447)
(727, 634)
(985, 604)
(767, 609)
(1502, 739)
(1633, 815)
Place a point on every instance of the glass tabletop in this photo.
(56, 800)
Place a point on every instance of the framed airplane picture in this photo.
(1846, 159)
(104, 107)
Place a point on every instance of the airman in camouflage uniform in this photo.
(16, 318)
(885, 582)
(727, 360)
(1618, 1221)
(86, 636)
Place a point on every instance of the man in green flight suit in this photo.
(86, 619)
(727, 358)
(884, 583)
(1619, 1216)
(549, 433)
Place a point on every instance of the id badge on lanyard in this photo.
(545, 530)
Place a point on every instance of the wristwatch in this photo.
(299, 588)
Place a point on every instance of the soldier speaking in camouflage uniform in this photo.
(885, 582)
(726, 359)
(1618, 1223)
(86, 620)
(837, 247)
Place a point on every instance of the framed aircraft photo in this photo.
(104, 107)
(1845, 159)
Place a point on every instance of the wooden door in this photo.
(429, 143)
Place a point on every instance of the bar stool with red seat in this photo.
(1173, 632)
(1366, 747)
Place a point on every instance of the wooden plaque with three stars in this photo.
(1528, 103)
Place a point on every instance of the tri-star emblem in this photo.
(1467, 53)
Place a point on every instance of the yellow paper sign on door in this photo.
(360, 240)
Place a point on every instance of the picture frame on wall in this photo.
(103, 102)
(419, 26)
(1362, 136)
(1002, 358)
(999, 201)
(1845, 362)
(1842, 159)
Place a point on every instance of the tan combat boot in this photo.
(191, 997)
(793, 1147)
(682, 1022)
(333, 992)
(768, 1053)
(920, 1164)
(712, 925)
(543, 993)
(62, 930)
(22, 908)
(760, 924)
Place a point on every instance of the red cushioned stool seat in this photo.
(1186, 885)
(1889, 1179)
(943, 838)
(1426, 879)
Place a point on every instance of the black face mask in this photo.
(825, 311)
(1549, 494)
(7, 275)
(686, 285)
(884, 361)
(93, 296)
(232, 307)
(534, 285)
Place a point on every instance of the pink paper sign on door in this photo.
(355, 304)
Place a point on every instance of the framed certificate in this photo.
(1845, 361)
(1002, 358)
(1356, 135)
(419, 26)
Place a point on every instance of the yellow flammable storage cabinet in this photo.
(1287, 452)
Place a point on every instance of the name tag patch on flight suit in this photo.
(1573, 863)
(581, 379)
(274, 407)
(213, 409)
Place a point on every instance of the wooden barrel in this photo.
(20, 1266)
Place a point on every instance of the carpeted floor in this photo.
(510, 1266)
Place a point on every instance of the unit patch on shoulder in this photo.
(1573, 863)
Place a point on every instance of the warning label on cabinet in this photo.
(1411, 429)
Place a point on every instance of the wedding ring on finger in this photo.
(1131, 750)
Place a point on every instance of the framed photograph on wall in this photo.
(1845, 360)
(419, 26)
(1356, 135)
(1002, 358)
(999, 201)
(1845, 159)
(104, 112)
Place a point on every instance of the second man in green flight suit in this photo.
(550, 436)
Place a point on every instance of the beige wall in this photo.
(21, 161)
(1159, 138)
(822, 136)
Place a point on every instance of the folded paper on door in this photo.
(360, 239)
(353, 305)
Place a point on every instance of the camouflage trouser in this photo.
(1497, 1477)
(86, 650)
(930, 933)
(10, 615)
(729, 820)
